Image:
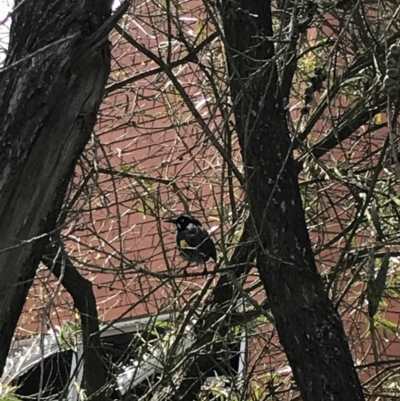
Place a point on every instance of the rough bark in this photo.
(81, 291)
(309, 327)
(51, 86)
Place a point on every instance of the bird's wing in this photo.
(197, 237)
(194, 236)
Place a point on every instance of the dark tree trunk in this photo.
(51, 89)
(81, 291)
(309, 327)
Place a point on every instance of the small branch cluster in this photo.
(309, 11)
(316, 85)
(392, 77)
(347, 5)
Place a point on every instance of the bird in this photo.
(192, 240)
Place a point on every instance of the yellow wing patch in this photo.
(183, 244)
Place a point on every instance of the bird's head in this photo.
(182, 221)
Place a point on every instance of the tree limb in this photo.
(81, 291)
(308, 325)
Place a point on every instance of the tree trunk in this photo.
(51, 89)
(309, 327)
(81, 291)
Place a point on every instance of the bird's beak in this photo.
(170, 220)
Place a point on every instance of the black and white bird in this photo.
(193, 241)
